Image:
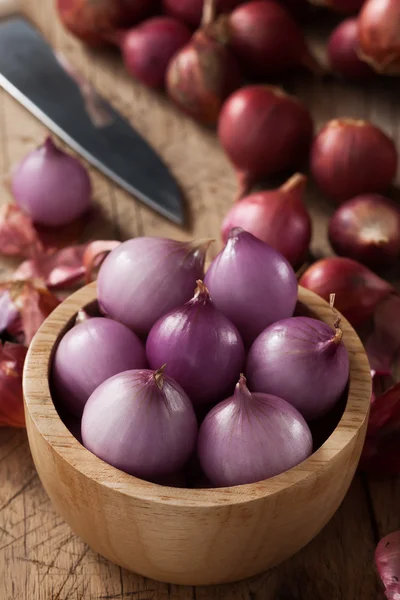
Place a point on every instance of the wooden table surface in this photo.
(40, 558)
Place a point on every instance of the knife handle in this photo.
(8, 8)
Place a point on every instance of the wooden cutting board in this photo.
(40, 558)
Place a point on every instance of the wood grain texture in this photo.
(182, 536)
(40, 558)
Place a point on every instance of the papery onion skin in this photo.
(148, 48)
(351, 157)
(252, 284)
(357, 289)
(202, 349)
(90, 353)
(51, 187)
(141, 422)
(92, 22)
(18, 236)
(250, 437)
(146, 277)
(190, 11)
(267, 40)
(343, 49)
(367, 229)
(387, 559)
(277, 217)
(303, 361)
(201, 76)
(379, 24)
(264, 131)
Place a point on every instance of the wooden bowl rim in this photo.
(40, 409)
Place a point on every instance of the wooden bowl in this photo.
(190, 536)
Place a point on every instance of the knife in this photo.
(49, 88)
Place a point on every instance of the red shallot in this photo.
(144, 278)
(351, 157)
(148, 48)
(203, 74)
(358, 290)
(277, 217)
(252, 284)
(367, 228)
(343, 49)
(379, 25)
(284, 356)
(141, 422)
(264, 131)
(52, 187)
(90, 353)
(92, 22)
(250, 437)
(267, 40)
(201, 348)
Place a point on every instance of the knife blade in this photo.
(33, 74)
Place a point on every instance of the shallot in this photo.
(250, 437)
(148, 48)
(141, 422)
(358, 290)
(266, 39)
(343, 49)
(203, 74)
(202, 349)
(144, 278)
(252, 284)
(367, 228)
(264, 131)
(92, 22)
(277, 217)
(51, 187)
(90, 353)
(351, 157)
(302, 360)
(379, 25)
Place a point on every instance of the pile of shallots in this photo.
(158, 378)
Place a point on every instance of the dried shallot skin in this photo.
(387, 560)
(201, 76)
(379, 24)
